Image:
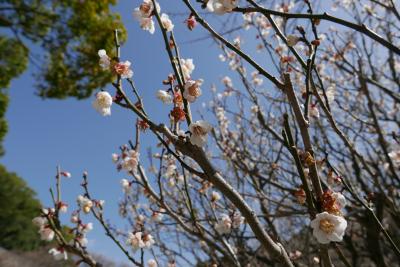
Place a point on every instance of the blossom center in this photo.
(327, 226)
(145, 8)
(198, 130)
(194, 90)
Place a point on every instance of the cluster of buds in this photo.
(140, 240)
(227, 223)
(128, 160)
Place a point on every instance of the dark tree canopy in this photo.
(18, 205)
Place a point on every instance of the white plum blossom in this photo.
(292, 40)
(85, 203)
(126, 186)
(144, 15)
(145, 10)
(62, 207)
(227, 81)
(58, 254)
(130, 162)
(147, 24)
(166, 22)
(103, 103)
(115, 157)
(328, 227)
(80, 241)
(152, 263)
(395, 157)
(157, 215)
(224, 225)
(124, 69)
(164, 96)
(148, 240)
(314, 112)
(254, 109)
(66, 174)
(39, 221)
(330, 93)
(139, 240)
(257, 81)
(199, 131)
(85, 228)
(340, 199)
(46, 233)
(187, 67)
(171, 171)
(74, 218)
(104, 61)
(192, 90)
(237, 220)
(215, 196)
(221, 7)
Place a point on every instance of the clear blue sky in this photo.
(44, 133)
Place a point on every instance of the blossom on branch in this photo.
(224, 225)
(130, 161)
(221, 7)
(123, 69)
(178, 114)
(147, 24)
(59, 253)
(328, 227)
(85, 203)
(103, 103)
(46, 233)
(164, 96)
(139, 240)
(199, 131)
(166, 22)
(187, 67)
(191, 22)
(192, 90)
(145, 10)
(152, 263)
(144, 15)
(104, 61)
(292, 40)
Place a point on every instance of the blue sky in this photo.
(44, 133)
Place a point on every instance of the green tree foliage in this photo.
(18, 205)
(70, 33)
(13, 61)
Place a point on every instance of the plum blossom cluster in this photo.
(199, 131)
(122, 69)
(330, 225)
(226, 223)
(140, 240)
(221, 7)
(45, 231)
(128, 160)
(144, 14)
